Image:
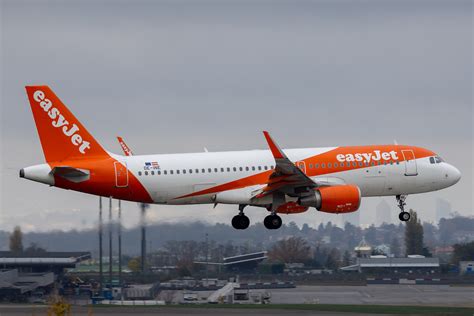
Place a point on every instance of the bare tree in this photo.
(293, 249)
(414, 235)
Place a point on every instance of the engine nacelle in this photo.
(334, 199)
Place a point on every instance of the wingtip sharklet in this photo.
(274, 148)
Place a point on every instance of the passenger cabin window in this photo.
(158, 172)
(146, 173)
(139, 173)
(152, 173)
(184, 171)
(171, 171)
(240, 169)
(165, 172)
(253, 168)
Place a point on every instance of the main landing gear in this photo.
(240, 221)
(403, 216)
(272, 221)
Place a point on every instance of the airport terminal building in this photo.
(389, 265)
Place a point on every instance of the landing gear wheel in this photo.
(272, 222)
(404, 216)
(240, 222)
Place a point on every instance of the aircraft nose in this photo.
(453, 175)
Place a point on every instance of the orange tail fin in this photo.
(61, 134)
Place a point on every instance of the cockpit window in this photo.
(436, 159)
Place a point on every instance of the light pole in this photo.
(110, 243)
(101, 272)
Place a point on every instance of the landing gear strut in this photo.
(403, 216)
(272, 221)
(241, 221)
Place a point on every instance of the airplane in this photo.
(329, 179)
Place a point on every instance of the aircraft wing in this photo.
(286, 178)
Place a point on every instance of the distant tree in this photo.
(333, 259)
(413, 235)
(16, 240)
(305, 229)
(293, 249)
(346, 258)
(463, 252)
(395, 247)
(134, 264)
(320, 256)
(293, 229)
(34, 248)
(320, 227)
(371, 235)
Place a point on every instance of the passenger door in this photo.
(410, 162)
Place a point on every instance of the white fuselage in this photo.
(175, 176)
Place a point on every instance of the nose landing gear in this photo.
(241, 221)
(403, 216)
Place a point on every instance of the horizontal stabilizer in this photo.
(71, 174)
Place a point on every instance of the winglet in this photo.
(125, 148)
(275, 149)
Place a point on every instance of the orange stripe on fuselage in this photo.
(327, 157)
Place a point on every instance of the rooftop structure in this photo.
(41, 261)
(380, 263)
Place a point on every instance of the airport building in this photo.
(46, 261)
(16, 287)
(26, 275)
(383, 264)
(245, 262)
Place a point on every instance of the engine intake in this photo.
(334, 199)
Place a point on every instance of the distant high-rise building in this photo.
(443, 209)
(383, 213)
(353, 218)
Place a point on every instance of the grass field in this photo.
(369, 309)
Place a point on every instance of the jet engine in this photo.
(333, 199)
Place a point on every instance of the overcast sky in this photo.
(177, 76)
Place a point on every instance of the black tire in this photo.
(235, 222)
(240, 222)
(272, 222)
(267, 222)
(276, 221)
(244, 222)
(404, 216)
